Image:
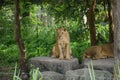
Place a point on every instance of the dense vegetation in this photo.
(38, 28)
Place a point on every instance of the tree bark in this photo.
(111, 31)
(91, 19)
(18, 37)
(116, 20)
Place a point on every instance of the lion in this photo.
(108, 50)
(62, 49)
(99, 52)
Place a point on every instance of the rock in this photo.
(101, 64)
(83, 74)
(54, 64)
(50, 75)
(4, 78)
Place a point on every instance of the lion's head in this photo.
(61, 32)
(92, 52)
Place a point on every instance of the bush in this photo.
(9, 54)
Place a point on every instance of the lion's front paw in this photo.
(68, 57)
(61, 58)
(53, 56)
(94, 58)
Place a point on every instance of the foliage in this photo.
(91, 71)
(34, 73)
(16, 75)
(78, 49)
(6, 51)
(38, 29)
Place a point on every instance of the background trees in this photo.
(18, 37)
(40, 18)
(91, 20)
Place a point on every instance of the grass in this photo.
(91, 71)
(116, 72)
(34, 73)
(16, 75)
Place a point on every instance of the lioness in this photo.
(107, 50)
(62, 48)
(97, 52)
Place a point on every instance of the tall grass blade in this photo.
(91, 71)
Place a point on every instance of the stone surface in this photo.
(102, 64)
(54, 64)
(83, 74)
(50, 75)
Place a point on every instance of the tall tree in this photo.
(111, 32)
(116, 19)
(19, 38)
(91, 19)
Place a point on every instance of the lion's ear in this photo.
(64, 29)
(57, 29)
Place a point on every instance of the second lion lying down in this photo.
(97, 52)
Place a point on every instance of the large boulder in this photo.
(101, 64)
(54, 64)
(50, 75)
(83, 74)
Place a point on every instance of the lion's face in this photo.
(87, 55)
(92, 52)
(61, 32)
(90, 56)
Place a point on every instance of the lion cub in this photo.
(97, 52)
(62, 49)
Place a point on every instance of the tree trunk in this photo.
(111, 31)
(116, 20)
(91, 19)
(18, 37)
